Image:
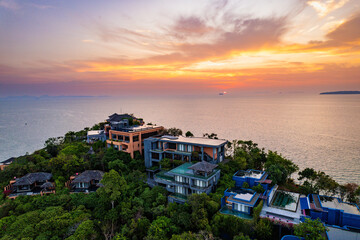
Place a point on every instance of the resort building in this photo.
(187, 179)
(88, 181)
(31, 184)
(6, 163)
(95, 135)
(120, 121)
(282, 206)
(184, 149)
(239, 202)
(131, 139)
(331, 211)
(252, 178)
(278, 205)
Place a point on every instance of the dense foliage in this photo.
(126, 208)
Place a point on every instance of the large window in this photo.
(179, 179)
(181, 147)
(241, 207)
(180, 190)
(200, 183)
(189, 148)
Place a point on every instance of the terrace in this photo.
(243, 196)
(184, 170)
(283, 208)
(250, 173)
(226, 210)
(331, 202)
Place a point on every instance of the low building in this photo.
(188, 179)
(239, 202)
(282, 206)
(331, 211)
(87, 181)
(95, 135)
(252, 178)
(31, 184)
(6, 163)
(183, 148)
(124, 117)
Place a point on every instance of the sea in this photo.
(316, 131)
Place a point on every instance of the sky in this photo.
(153, 47)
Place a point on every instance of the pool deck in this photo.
(185, 171)
(226, 210)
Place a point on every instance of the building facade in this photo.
(252, 178)
(188, 179)
(87, 181)
(331, 211)
(95, 135)
(131, 139)
(184, 149)
(38, 183)
(239, 201)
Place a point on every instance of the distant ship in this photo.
(222, 93)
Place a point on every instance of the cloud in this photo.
(247, 35)
(324, 7)
(40, 6)
(185, 27)
(10, 5)
(349, 31)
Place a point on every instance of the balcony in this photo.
(162, 178)
(198, 188)
(177, 197)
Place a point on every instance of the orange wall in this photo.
(131, 145)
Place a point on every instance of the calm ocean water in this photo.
(318, 131)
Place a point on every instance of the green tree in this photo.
(114, 186)
(263, 229)
(173, 131)
(211, 135)
(241, 236)
(257, 210)
(52, 145)
(86, 230)
(258, 188)
(245, 185)
(189, 134)
(310, 230)
(161, 228)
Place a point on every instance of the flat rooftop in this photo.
(243, 195)
(256, 174)
(95, 132)
(139, 128)
(336, 233)
(331, 202)
(194, 140)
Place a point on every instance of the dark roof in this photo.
(8, 161)
(89, 175)
(31, 178)
(47, 185)
(118, 117)
(203, 167)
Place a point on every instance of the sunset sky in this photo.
(143, 47)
